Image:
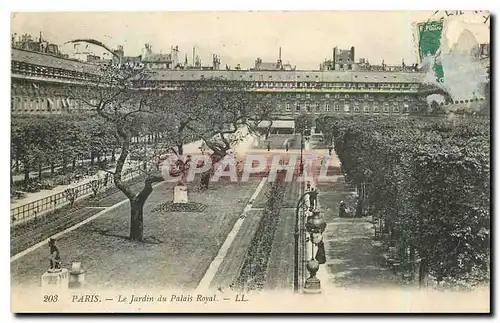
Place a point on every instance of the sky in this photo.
(306, 38)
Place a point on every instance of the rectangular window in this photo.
(395, 109)
(356, 108)
(405, 107)
(327, 107)
(336, 107)
(366, 108)
(308, 107)
(376, 109)
(317, 107)
(386, 108)
(297, 107)
(288, 107)
(347, 108)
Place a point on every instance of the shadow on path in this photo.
(353, 257)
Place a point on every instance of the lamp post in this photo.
(315, 225)
(301, 170)
(302, 150)
(296, 247)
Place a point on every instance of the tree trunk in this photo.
(52, 168)
(39, 171)
(359, 204)
(136, 210)
(11, 178)
(412, 262)
(64, 162)
(422, 273)
(17, 166)
(136, 220)
(26, 173)
(92, 158)
(73, 164)
(180, 149)
(113, 157)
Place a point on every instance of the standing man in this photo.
(313, 198)
(330, 148)
(342, 209)
(268, 146)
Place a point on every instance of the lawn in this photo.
(179, 246)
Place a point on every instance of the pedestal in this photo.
(55, 279)
(76, 276)
(180, 194)
(312, 286)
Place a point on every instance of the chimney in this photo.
(334, 63)
(193, 54)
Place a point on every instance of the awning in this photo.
(278, 124)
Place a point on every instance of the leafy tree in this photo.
(443, 219)
(304, 121)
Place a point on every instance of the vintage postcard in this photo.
(250, 162)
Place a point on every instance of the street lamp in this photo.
(302, 151)
(315, 225)
(301, 169)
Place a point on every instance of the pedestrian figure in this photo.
(286, 146)
(330, 150)
(268, 146)
(55, 257)
(321, 254)
(342, 209)
(313, 198)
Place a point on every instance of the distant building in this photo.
(93, 59)
(156, 60)
(271, 66)
(342, 60)
(27, 42)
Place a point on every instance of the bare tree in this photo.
(123, 97)
(217, 110)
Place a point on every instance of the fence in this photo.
(50, 203)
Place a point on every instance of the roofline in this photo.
(52, 55)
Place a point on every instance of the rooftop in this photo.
(242, 75)
(291, 76)
(48, 60)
